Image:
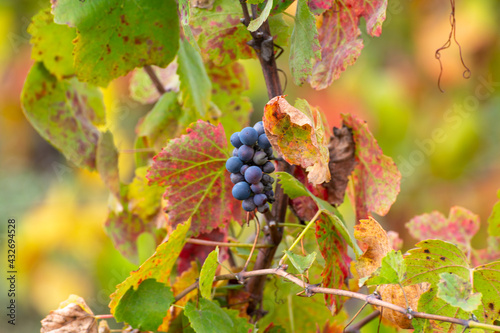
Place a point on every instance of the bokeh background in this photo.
(445, 144)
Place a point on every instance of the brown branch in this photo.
(154, 78)
(262, 43)
(360, 324)
(311, 289)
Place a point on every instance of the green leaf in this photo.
(107, 163)
(115, 36)
(293, 188)
(222, 38)
(392, 270)
(430, 260)
(376, 178)
(301, 263)
(256, 23)
(305, 48)
(494, 219)
(458, 292)
(207, 273)
(145, 307)
(210, 317)
(195, 84)
(185, 14)
(300, 135)
(64, 113)
(52, 44)
(229, 84)
(158, 267)
(197, 186)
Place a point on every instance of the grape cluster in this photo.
(250, 166)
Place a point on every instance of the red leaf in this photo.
(375, 178)
(334, 250)
(459, 228)
(192, 168)
(305, 207)
(192, 252)
(339, 36)
(319, 6)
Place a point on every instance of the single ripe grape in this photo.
(257, 188)
(235, 140)
(266, 179)
(236, 178)
(264, 142)
(269, 152)
(259, 199)
(260, 158)
(269, 194)
(259, 127)
(253, 174)
(248, 205)
(245, 153)
(235, 152)
(241, 191)
(234, 164)
(268, 167)
(248, 136)
(264, 208)
(244, 168)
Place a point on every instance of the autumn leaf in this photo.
(142, 88)
(458, 292)
(107, 163)
(73, 315)
(115, 36)
(65, 113)
(339, 36)
(192, 168)
(432, 258)
(375, 245)
(375, 179)
(158, 266)
(494, 219)
(207, 274)
(391, 271)
(459, 228)
(299, 135)
(319, 6)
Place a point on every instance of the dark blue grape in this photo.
(266, 179)
(268, 167)
(267, 188)
(253, 174)
(259, 199)
(260, 158)
(264, 208)
(248, 205)
(244, 168)
(259, 127)
(237, 177)
(235, 152)
(245, 153)
(269, 152)
(241, 191)
(264, 142)
(248, 136)
(235, 140)
(257, 188)
(269, 193)
(234, 164)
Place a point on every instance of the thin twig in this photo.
(154, 78)
(313, 289)
(257, 233)
(360, 324)
(223, 244)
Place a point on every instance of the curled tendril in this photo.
(467, 73)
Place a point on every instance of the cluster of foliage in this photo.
(184, 57)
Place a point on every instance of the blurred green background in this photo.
(445, 144)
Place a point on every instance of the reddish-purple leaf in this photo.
(305, 208)
(339, 36)
(192, 168)
(375, 178)
(334, 250)
(195, 252)
(319, 6)
(459, 228)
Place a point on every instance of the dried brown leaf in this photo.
(72, 316)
